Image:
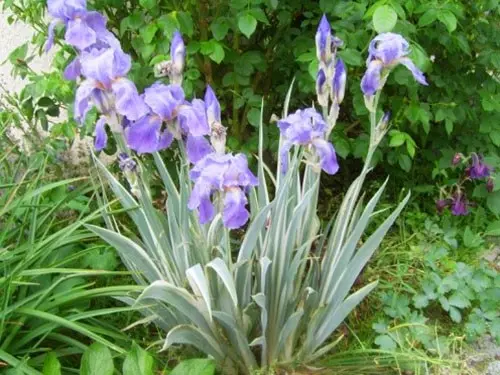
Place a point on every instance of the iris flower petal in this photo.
(327, 156)
(101, 138)
(73, 70)
(143, 135)
(79, 34)
(197, 148)
(417, 73)
(235, 214)
(370, 83)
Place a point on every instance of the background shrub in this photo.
(250, 50)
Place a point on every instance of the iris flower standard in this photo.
(332, 75)
(385, 52)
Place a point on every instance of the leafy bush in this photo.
(447, 293)
(249, 50)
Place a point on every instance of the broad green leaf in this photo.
(253, 117)
(51, 365)
(420, 300)
(197, 366)
(495, 137)
(186, 23)
(397, 139)
(148, 4)
(219, 28)
(138, 361)
(351, 56)
(385, 342)
(493, 229)
(459, 300)
(148, 32)
(247, 24)
(455, 314)
(384, 19)
(471, 239)
(493, 202)
(404, 162)
(214, 50)
(448, 19)
(97, 360)
(428, 17)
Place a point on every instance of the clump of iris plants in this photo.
(272, 297)
(473, 168)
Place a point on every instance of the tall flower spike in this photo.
(324, 40)
(385, 52)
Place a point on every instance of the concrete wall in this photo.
(12, 36)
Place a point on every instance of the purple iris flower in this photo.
(148, 134)
(105, 86)
(227, 175)
(386, 51)
(107, 90)
(306, 127)
(478, 168)
(459, 205)
(82, 27)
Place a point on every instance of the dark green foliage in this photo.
(249, 50)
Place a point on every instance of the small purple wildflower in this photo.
(459, 204)
(385, 52)
(229, 177)
(441, 204)
(307, 128)
(478, 169)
